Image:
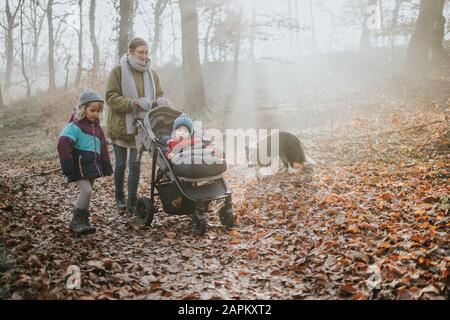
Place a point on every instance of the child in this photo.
(182, 135)
(83, 152)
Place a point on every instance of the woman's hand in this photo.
(145, 103)
(163, 102)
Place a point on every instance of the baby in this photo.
(182, 135)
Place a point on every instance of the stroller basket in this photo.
(172, 199)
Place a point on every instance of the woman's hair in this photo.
(136, 42)
(80, 111)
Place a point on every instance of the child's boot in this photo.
(78, 224)
(89, 228)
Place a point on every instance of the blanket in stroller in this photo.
(198, 159)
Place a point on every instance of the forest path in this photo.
(369, 220)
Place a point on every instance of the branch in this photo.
(19, 5)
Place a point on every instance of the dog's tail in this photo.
(310, 160)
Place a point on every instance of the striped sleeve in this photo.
(66, 142)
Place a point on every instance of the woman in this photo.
(132, 84)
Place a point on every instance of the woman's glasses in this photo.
(143, 52)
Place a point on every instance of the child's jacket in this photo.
(83, 151)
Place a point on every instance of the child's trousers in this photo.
(84, 197)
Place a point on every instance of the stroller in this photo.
(183, 189)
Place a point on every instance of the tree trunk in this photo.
(366, 29)
(126, 11)
(95, 49)
(208, 32)
(427, 37)
(297, 33)
(379, 37)
(157, 27)
(253, 34)
(290, 18)
(237, 45)
(438, 53)
(159, 9)
(194, 90)
(237, 49)
(80, 47)
(1, 97)
(37, 22)
(22, 53)
(9, 42)
(313, 26)
(51, 48)
(66, 82)
(393, 26)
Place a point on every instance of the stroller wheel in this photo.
(145, 210)
(226, 217)
(198, 223)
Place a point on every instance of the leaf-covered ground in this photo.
(368, 221)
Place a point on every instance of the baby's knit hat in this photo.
(183, 120)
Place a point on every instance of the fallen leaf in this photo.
(97, 264)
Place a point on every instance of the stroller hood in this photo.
(160, 120)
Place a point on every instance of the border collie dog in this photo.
(290, 152)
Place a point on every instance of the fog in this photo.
(353, 97)
(255, 54)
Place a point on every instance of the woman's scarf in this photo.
(129, 88)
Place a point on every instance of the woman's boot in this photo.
(131, 205)
(120, 203)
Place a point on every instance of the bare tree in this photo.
(207, 35)
(237, 46)
(394, 21)
(313, 26)
(395, 14)
(66, 82)
(95, 49)
(297, 23)
(80, 46)
(427, 38)
(290, 19)
(438, 52)
(1, 97)
(51, 48)
(160, 6)
(194, 91)
(126, 11)
(366, 30)
(379, 34)
(253, 33)
(11, 24)
(214, 11)
(36, 19)
(237, 49)
(22, 52)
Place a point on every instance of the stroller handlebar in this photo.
(135, 111)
